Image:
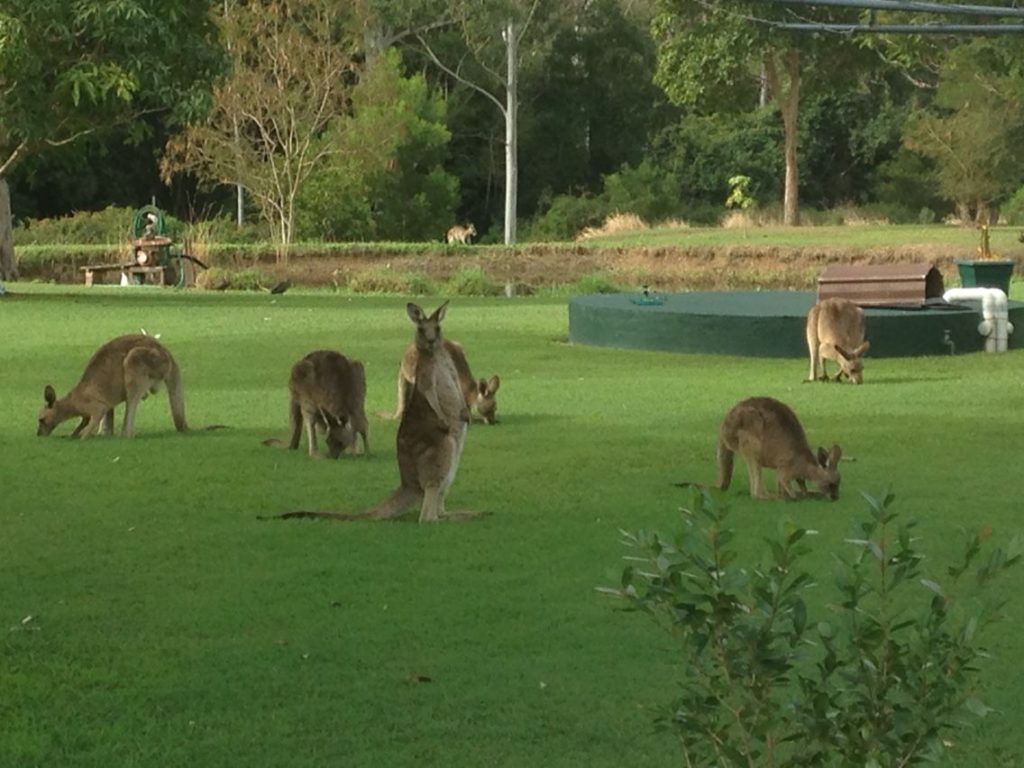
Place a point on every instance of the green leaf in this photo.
(978, 707)
(934, 587)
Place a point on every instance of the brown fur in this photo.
(328, 392)
(835, 331)
(460, 234)
(124, 370)
(768, 434)
(480, 394)
(431, 435)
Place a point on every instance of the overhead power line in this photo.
(915, 6)
(912, 29)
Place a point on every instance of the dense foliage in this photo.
(648, 108)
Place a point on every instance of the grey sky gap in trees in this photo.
(71, 69)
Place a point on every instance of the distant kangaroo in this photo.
(460, 234)
(478, 393)
(124, 370)
(768, 434)
(835, 331)
(328, 392)
(431, 434)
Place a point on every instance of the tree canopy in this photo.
(68, 69)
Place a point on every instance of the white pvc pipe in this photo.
(995, 325)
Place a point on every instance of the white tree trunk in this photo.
(8, 262)
(511, 117)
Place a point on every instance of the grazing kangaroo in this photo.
(328, 392)
(835, 331)
(431, 435)
(768, 434)
(125, 369)
(478, 393)
(460, 234)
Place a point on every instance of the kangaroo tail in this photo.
(176, 394)
(725, 462)
(394, 505)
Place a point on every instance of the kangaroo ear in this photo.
(415, 313)
(823, 457)
(862, 349)
(439, 312)
(835, 455)
(843, 352)
(493, 383)
(49, 395)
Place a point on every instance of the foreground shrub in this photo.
(882, 681)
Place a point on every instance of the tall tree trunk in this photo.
(788, 98)
(511, 117)
(8, 263)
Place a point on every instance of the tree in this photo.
(711, 54)
(293, 73)
(68, 70)
(569, 136)
(495, 71)
(975, 132)
(386, 179)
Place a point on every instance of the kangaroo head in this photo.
(428, 329)
(828, 481)
(486, 404)
(50, 416)
(850, 362)
(471, 230)
(340, 436)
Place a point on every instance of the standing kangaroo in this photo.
(835, 331)
(328, 392)
(460, 234)
(432, 432)
(124, 370)
(478, 393)
(768, 434)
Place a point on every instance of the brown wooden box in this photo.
(876, 284)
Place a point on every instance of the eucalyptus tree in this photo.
(494, 35)
(294, 68)
(722, 53)
(68, 70)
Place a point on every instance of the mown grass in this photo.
(171, 627)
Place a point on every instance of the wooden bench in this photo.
(91, 271)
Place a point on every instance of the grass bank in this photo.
(665, 258)
(148, 617)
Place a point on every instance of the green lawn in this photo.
(170, 627)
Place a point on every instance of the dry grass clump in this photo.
(852, 216)
(674, 224)
(614, 224)
(740, 220)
